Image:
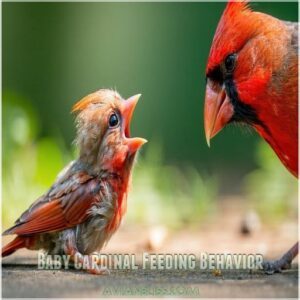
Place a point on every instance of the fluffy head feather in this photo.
(100, 96)
(103, 121)
(93, 112)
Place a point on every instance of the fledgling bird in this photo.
(85, 205)
(252, 77)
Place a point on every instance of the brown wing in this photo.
(65, 205)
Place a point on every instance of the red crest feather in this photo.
(86, 101)
(95, 98)
(234, 29)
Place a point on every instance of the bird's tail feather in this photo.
(18, 243)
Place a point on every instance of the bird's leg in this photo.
(89, 262)
(282, 263)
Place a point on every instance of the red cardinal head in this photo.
(103, 133)
(252, 76)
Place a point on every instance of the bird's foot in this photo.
(98, 270)
(284, 263)
(91, 264)
(97, 266)
(102, 261)
(276, 266)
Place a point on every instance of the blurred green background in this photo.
(55, 53)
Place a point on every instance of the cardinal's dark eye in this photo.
(230, 62)
(113, 120)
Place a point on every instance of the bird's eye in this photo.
(230, 62)
(113, 120)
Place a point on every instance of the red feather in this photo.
(231, 33)
(265, 75)
(56, 214)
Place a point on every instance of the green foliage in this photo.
(30, 164)
(58, 52)
(272, 190)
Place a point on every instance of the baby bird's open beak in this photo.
(218, 110)
(128, 108)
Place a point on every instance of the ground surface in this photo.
(24, 280)
(21, 278)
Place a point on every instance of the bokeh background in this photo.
(55, 53)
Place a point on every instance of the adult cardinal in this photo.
(85, 205)
(252, 77)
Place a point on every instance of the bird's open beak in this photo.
(218, 110)
(128, 108)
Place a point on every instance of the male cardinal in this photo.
(252, 77)
(85, 205)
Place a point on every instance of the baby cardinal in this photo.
(252, 77)
(85, 205)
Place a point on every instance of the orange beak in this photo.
(218, 110)
(128, 108)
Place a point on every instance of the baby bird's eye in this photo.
(113, 120)
(230, 62)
